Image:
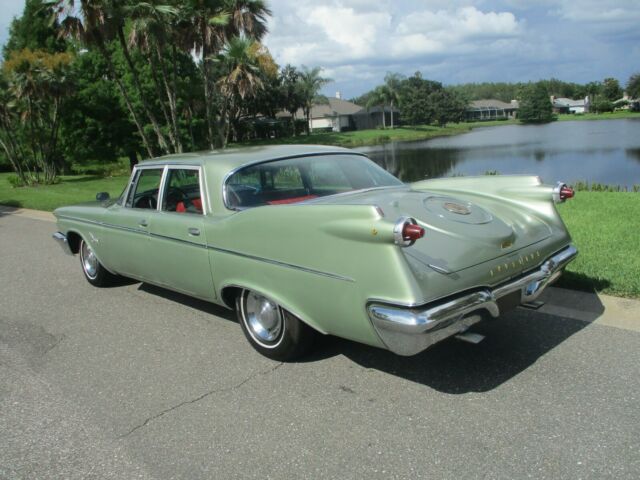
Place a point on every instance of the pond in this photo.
(603, 151)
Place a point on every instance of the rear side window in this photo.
(182, 192)
(298, 179)
(145, 188)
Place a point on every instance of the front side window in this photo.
(299, 179)
(182, 192)
(145, 188)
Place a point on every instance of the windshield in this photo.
(304, 178)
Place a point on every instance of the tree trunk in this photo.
(171, 97)
(162, 142)
(208, 100)
(156, 83)
(391, 114)
(127, 100)
(133, 159)
(384, 118)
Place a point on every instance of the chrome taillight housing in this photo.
(562, 192)
(406, 231)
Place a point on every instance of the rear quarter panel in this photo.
(322, 262)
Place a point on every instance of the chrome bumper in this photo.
(408, 331)
(63, 242)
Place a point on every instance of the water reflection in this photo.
(410, 165)
(606, 151)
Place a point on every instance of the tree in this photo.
(210, 24)
(290, 93)
(34, 87)
(34, 30)
(94, 24)
(242, 65)
(95, 124)
(417, 103)
(535, 105)
(447, 106)
(310, 84)
(611, 89)
(378, 97)
(392, 90)
(149, 32)
(633, 86)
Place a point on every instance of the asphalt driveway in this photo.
(138, 382)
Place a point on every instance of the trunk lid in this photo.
(461, 230)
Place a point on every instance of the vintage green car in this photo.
(302, 240)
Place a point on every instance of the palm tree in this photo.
(378, 98)
(392, 83)
(150, 31)
(310, 84)
(37, 84)
(243, 63)
(91, 22)
(118, 15)
(212, 23)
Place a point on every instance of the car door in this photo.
(178, 245)
(127, 245)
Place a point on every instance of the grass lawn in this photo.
(598, 116)
(361, 138)
(605, 227)
(72, 189)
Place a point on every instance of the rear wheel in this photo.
(271, 330)
(93, 270)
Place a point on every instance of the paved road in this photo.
(137, 382)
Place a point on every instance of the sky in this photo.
(357, 42)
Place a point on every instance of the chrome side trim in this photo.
(61, 238)
(407, 331)
(219, 249)
(282, 264)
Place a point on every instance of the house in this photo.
(340, 115)
(491, 109)
(568, 105)
(372, 117)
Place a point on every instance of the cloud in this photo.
(599, 11)
(339, 32)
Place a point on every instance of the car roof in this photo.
(232, 158)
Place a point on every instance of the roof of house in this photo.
(568, 102)
(377, 109)
(336, 106)
(493, 103)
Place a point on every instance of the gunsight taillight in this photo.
(406, 231)
(562, 192)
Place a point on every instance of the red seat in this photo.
(197, 203)
(292, 200)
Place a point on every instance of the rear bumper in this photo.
(61, 238)
(408, 331)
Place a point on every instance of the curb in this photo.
(27, 213)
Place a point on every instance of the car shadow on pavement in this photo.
(188, 301)
(512, 344)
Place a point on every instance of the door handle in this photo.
(143, 223)
(194, 231)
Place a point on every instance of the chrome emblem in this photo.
(456, 208)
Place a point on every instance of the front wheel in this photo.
(93, 270)
(270, 329)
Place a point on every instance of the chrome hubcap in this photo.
(263, 318)
(89, 261)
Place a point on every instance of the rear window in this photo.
(305, 178)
